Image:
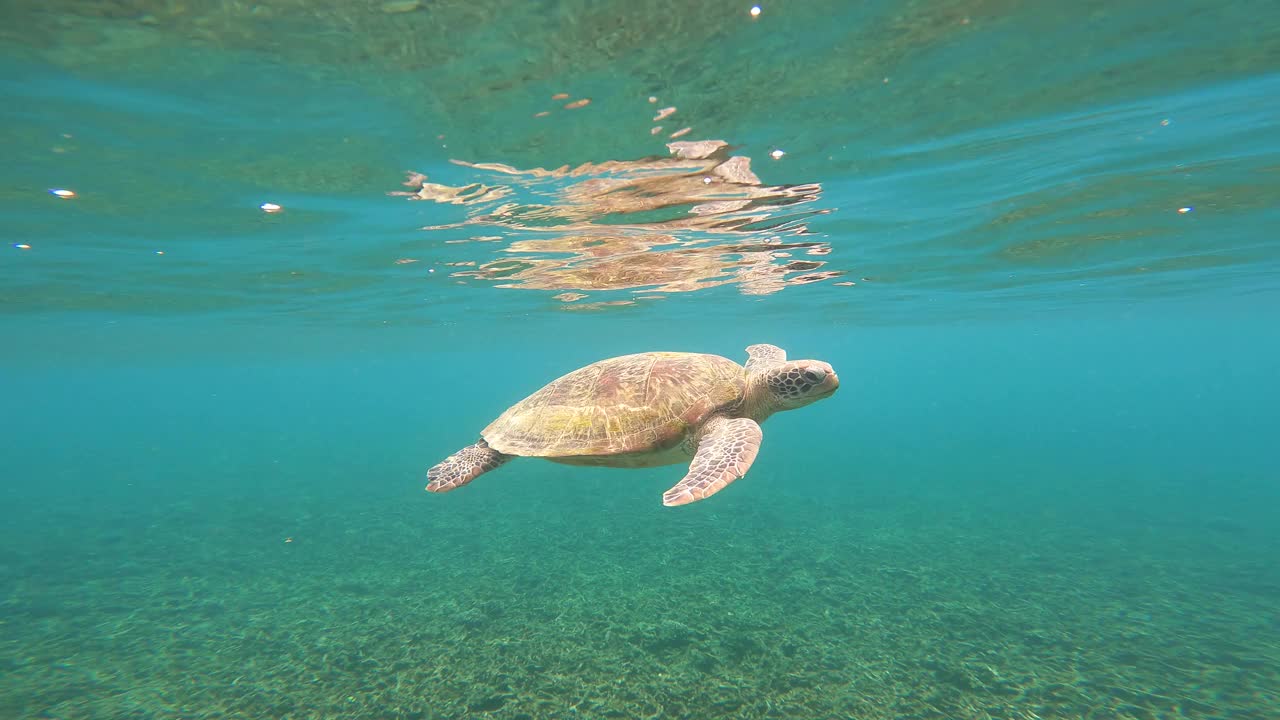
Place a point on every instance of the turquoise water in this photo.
(1036, 241)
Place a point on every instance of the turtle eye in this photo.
(813, 376)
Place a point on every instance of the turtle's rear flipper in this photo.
(464, 466)
(725, 453)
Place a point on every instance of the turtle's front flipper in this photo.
(464, 466)
(726, 450)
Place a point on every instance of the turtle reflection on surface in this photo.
(695, 220)
(657, 263)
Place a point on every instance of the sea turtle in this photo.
(646, 410)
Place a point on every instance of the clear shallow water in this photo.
(1046, 487)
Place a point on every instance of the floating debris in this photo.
(62, 193)
(270, 207)
(578, 103)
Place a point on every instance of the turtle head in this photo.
(796, 383)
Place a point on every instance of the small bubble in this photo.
(777, 154)
(755, 11)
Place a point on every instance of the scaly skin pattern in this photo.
(464, 466)
(726, 450)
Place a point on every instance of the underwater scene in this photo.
(462, 359)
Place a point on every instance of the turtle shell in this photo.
(629, 404)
